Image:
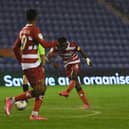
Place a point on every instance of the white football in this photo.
(21, 105)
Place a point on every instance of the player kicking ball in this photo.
(25, 49)
(68, 52)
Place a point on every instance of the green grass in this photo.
(109, 109)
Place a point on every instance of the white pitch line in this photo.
(93, 113)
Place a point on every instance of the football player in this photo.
(25, 49)
(68, 51)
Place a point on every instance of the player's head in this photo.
(62, 43)
(31, 15)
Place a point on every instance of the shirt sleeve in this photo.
(39, 38)
(77, 47)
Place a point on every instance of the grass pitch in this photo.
(109, 109)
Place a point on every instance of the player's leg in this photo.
(30, 74)
(69, 72)
(25, 85)
(35, 77)
(80, 91)
(40, 89)
(66, 92)
(37, 92)
(82, 95)
(73, 74)
(24, 96)
(9, 101)
(40, 92)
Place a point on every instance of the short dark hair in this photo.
(31, 14)
(62, 40)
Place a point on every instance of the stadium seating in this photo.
(96, 29)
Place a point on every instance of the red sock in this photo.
(23, 96)
(71, 85)
(81, 93)
(38, 103)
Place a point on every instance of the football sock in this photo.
(37, 104)
(71, 85)
(35, 113)
(24, 96)
(25, 87)
(81, 93)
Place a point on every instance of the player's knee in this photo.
(40, 97)
(39, 89)
(37, 92)
(43, 89)
(43, 86)
(33, 94)
(78, 87)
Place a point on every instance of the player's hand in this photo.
(88, 61)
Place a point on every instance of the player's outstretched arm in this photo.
(85, 55)
(39, 39)
(47, 44)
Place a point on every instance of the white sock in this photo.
(35, 113)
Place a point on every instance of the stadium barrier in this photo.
(10, 80)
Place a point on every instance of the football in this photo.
(21, 105)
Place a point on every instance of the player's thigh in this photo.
(40, 87)
(35, 76)
(76, 68)
(68, 70)
(72, 70)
